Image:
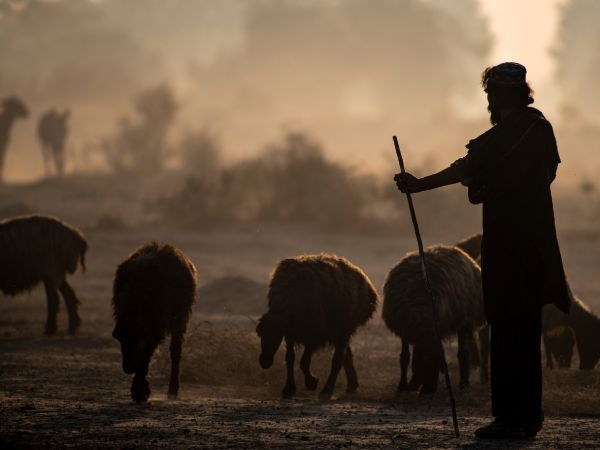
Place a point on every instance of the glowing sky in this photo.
(524, 31)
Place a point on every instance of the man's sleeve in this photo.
(469, 167)
(463, 170)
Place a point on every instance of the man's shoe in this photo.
(500, 430)
(532, 429)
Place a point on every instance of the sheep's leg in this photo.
(58, 154)
(175, 349)
(465, 338)
(484, 352)
(52, 300)
(290, 384)
(47, 159)
(2, 153)
(352, 378)
(309, 380)
(71, 302)
(140, 389)
(336, 365)
(404, 362)
(547, 347)
(474, 353)
(415, 382)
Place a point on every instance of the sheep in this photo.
(471, 245)
(562, 332)
(40, 248)
(455, 280)
(153, 293)
(559, 343)
(315, 300)
(586, 326)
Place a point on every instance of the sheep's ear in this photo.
(260, 326)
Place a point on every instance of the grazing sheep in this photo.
(562, 331)
(586, 326)
(559, 343)
(471, 245)
(455, 280)
(39, 248)
(315, 300)
(153, 293)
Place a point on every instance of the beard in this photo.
(494, 113)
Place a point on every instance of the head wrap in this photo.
(508, 74)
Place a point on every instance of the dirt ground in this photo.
(69, 391)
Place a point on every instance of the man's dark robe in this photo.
(509, 169)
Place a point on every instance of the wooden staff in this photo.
(429, 293)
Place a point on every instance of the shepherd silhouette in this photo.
(509, 169)
(12, 109)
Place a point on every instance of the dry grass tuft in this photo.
(221, 353)
(224, 352)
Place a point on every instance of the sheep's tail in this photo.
(78, 253)
(82, 258)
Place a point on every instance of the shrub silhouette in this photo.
(141, 145)
(290, 182)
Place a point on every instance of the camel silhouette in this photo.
(12, 109)
(52, 133)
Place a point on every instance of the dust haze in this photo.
(349, 73)
(244, 132)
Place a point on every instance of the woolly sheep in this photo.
(42, 249)
(455, 280)
(315, 300)
(153, 293)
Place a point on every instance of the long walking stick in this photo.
(429, 293)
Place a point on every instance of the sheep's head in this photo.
(271, 335)
(131, 345)
(560, 341)
(15, 107)
(588, 354)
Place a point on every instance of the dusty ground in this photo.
(70, 391)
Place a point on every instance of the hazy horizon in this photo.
(348, 73)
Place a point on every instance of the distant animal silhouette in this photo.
(12, 109)
(52, 133)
